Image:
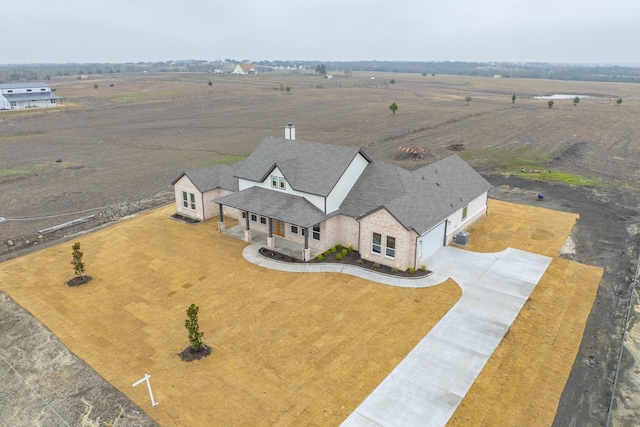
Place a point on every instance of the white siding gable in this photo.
(346, 182)
(317, 201)
(475, 208)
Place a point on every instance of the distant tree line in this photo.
(599, 73)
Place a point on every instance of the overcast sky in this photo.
(569, 31)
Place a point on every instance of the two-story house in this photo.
(319, 195)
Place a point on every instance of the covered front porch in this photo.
(282, 222)
(278, 244)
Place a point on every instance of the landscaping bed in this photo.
(345, 256)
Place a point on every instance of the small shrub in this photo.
(111, 85)
(339, 247)
(327, 253)
(376, 265)
(319, 258)
(288, 89)
(76, 260)
(334, 250)
(392, 81)
(195, 336)
(350, 248)
(412, 270)
(210, 83)
(394, 270)
(423, 267)
(95, 86)
(360, 262)
(344, 252)
(339, 256)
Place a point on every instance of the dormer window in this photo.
(274, 181)
(283, 184)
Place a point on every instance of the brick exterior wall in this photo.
(382, 222)
(341, 229)
(205, 207)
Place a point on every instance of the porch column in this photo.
(221, 220)
(247, 230)
(306, 252)
(270, 240)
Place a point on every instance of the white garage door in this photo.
(433, 240)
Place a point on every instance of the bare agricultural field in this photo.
(125, 137)
(129, 137)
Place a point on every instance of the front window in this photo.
(254, 217)
(263, 220)
(274, 181)
(185, 199)
(294, 229)
(244, 215)
(193, 201)
(464, 212)
(390, 250)
(376, 244)
(316, 232)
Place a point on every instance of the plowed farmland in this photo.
(125, 137)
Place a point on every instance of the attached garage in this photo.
(433, 240)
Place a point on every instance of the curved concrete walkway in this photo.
(425, 389)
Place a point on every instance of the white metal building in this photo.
(15, 96)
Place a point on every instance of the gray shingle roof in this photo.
(24, 85)
(310, 167)
(212, 177)
(277, 205)
(35, 96)
(419, 200)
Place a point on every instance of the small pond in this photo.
(560, 96)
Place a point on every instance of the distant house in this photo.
(15, 96)
(246, 68)
(319, 195)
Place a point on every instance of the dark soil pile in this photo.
(189, 354)
(352, 258)
(79, 280)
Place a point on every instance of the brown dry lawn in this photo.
(292, 349)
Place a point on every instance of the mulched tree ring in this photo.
(79, 280)
(189, 354)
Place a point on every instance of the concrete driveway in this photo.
(427, 386)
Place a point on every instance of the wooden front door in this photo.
(277, 227)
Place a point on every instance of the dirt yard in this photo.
(128, 141)
(289, 348)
